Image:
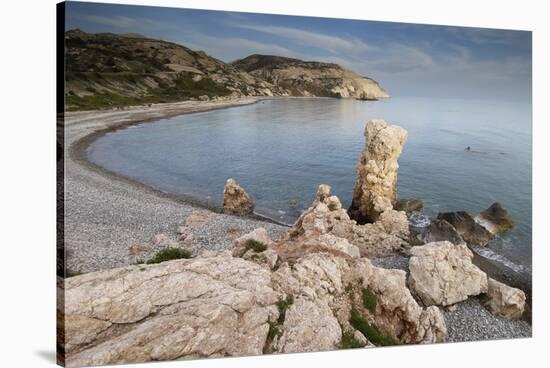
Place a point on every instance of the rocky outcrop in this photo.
(442, 273)
(440, 230)
(408, 204)
(258, 235)
(472, 232)
(214, 305)
(236, 200)
(495, 219)
(326, 216)
(376, 175)
(310, 78)
(504, 301)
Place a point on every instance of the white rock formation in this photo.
(326, 216)
(504, 301)
(376, 179)
(236, 200)
(442, 273)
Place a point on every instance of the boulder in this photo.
(260, 235)
(375, 188)
(408, 204)
(440, 230)
(504, 301)
(495, 219)
(442, 273)
(209, 306)
(472, 232)
(386, 236)
(236, 200)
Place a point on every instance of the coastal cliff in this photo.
(106, 70)
(311, 78)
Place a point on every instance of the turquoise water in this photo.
(281, 150)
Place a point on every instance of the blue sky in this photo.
(407, 59)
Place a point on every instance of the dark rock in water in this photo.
(472, 232)
(499, 219)
(440, 230)
(408, 204)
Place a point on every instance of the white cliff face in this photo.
(375, 188)
(442, 273)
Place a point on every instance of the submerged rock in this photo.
(408, 204)
(504, 301)
(495, 219)
(472, 232)
(376, 175)
(236, 200)
(442, 273)
(440, 230)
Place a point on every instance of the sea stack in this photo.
(236, 201)
(376, 182)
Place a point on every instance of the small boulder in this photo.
(472, 232)
(136, 248)
(504, 301)
(260, 235)
(442, 273)
(495, 219)
(440, 230)
(236, 200)
(408, 204)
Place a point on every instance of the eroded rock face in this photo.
(214, 305)
(472, 232)
(236, 200)
(495, 219)
(376, 175)
(326, 216)
(442, 273)
(504, 301)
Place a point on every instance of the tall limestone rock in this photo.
(376, 183)
(236, 201)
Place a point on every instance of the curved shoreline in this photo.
(78, 152)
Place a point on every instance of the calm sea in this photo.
(281, 150)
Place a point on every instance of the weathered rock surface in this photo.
(376, 175)
(236, 200)
(504, 301)
(408, 204)
(442, 273)
(440, 230)
(495, 219)
(215, 305)
(260, 235)
(326, 216)
(472, 232)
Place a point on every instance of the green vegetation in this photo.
(371, 331)
(182, 88)
(349, 341)
(169, 254)
(275, 327)
(282, 306)
(369, 300)
(255, 245)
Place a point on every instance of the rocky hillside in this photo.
(311, 78)
(106, 70)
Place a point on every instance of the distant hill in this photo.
(106, 70)
(310, 78)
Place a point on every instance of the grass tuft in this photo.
(371, 331)
(169, 254)
(369, 300)
(349, 341)
(255, 245)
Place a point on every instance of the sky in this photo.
(406, 59)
